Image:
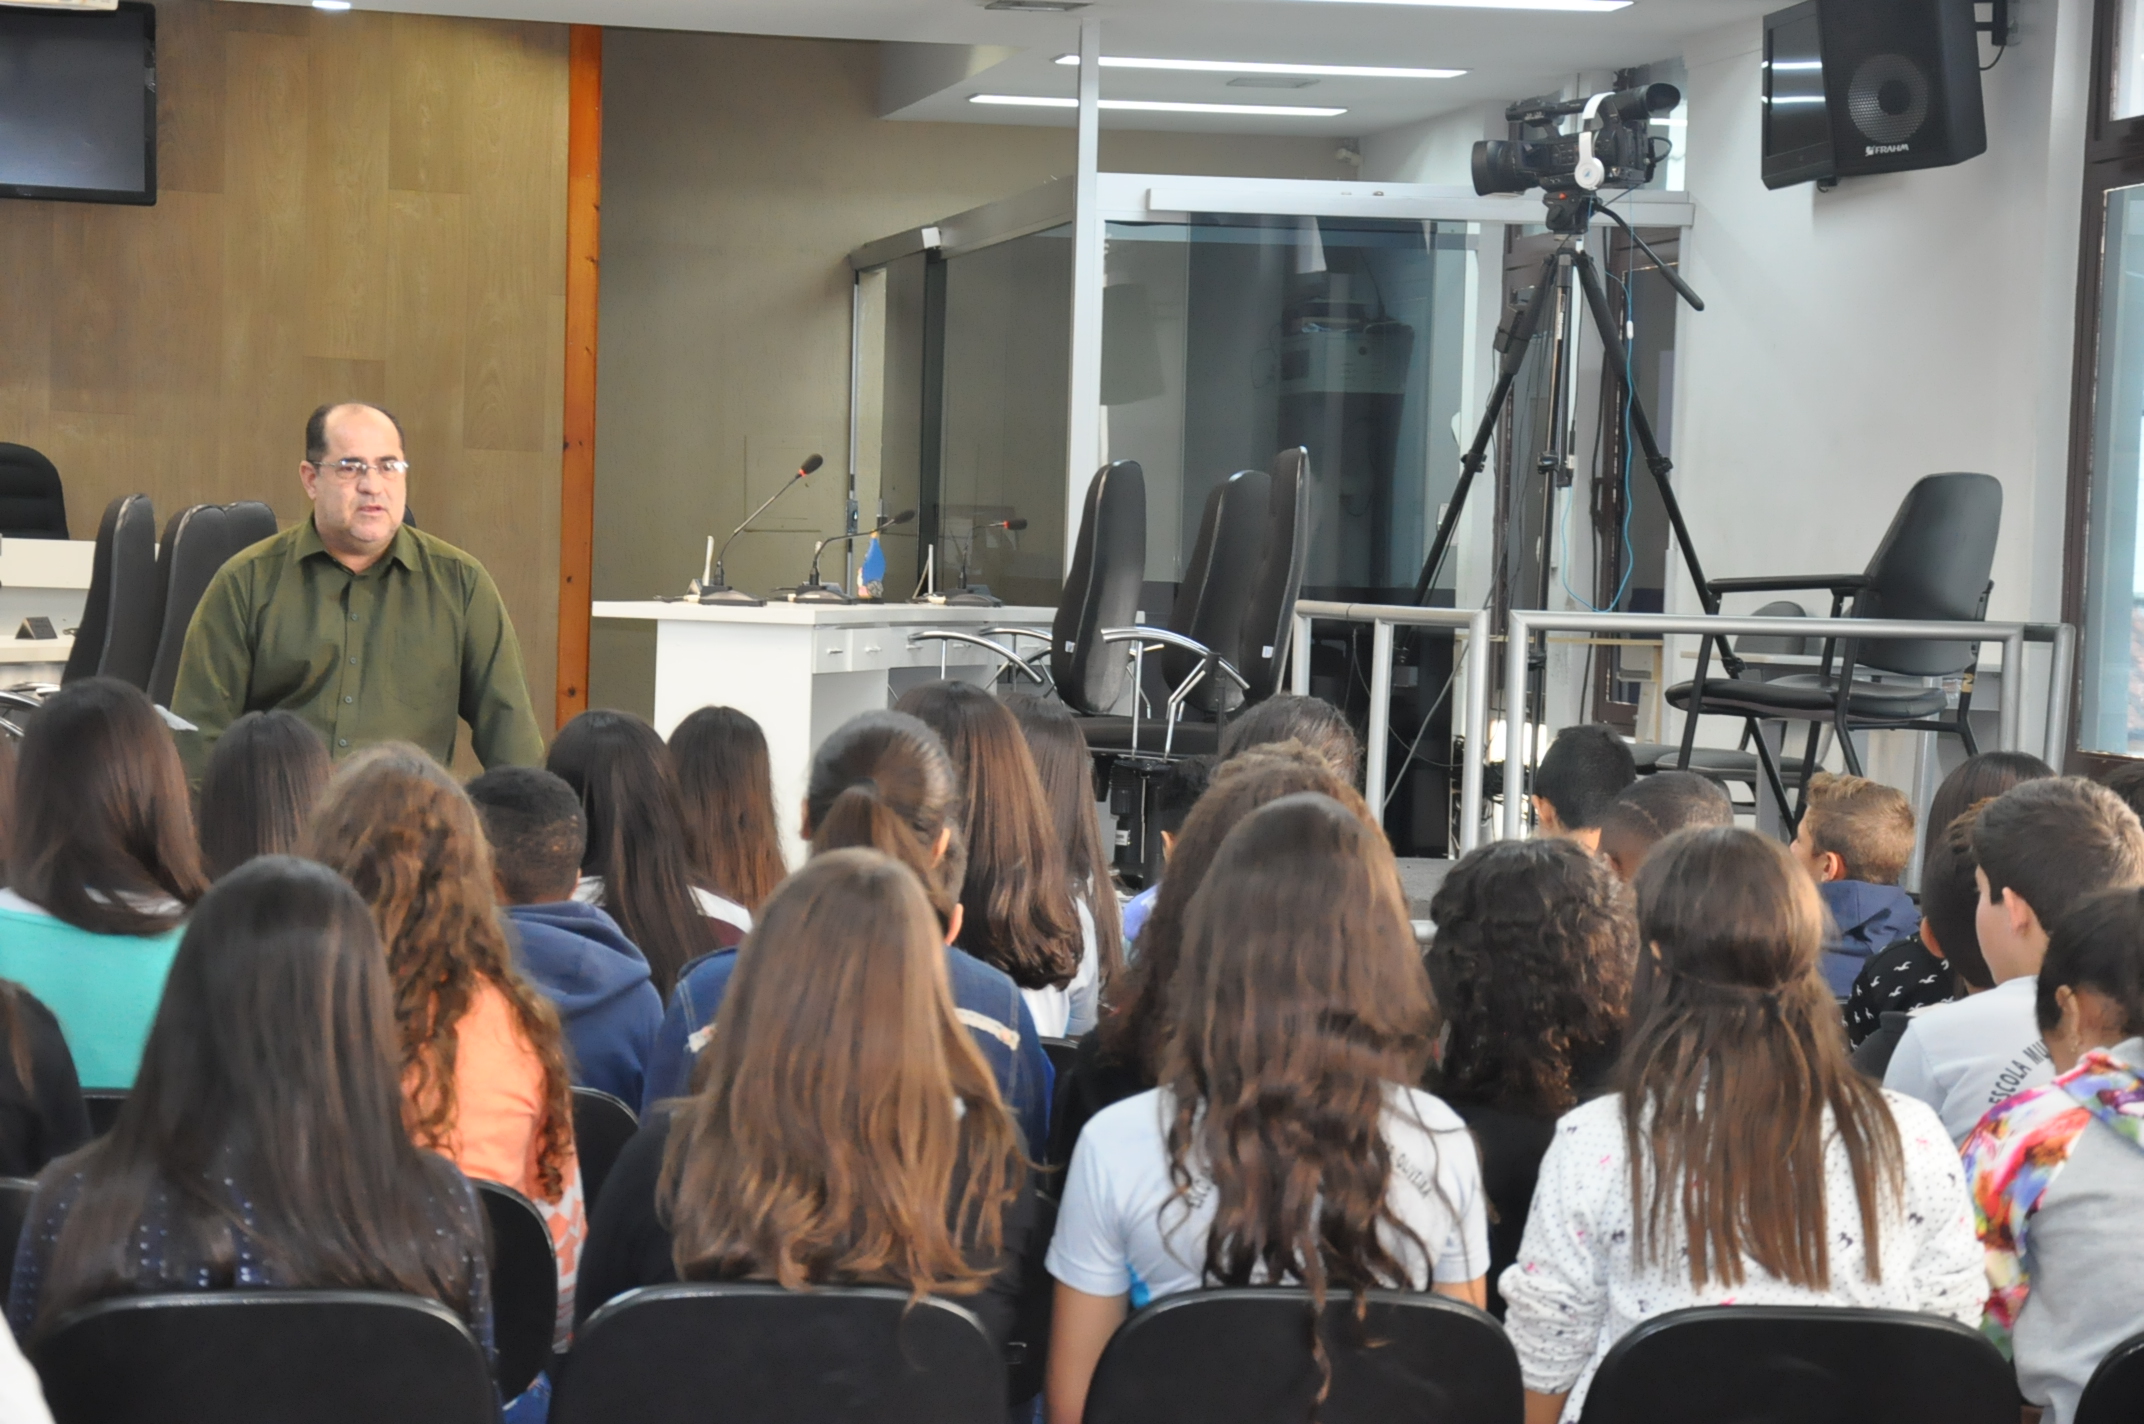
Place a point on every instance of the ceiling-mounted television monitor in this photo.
(78, 104)
(1797, 123)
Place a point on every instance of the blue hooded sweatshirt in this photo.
(1864, 919)
(582, 961)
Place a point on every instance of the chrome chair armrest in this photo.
(20, 700)
(973, 640)
(1163, 637)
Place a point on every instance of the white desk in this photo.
(44, 577)
(802, 669)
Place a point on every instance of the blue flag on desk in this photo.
(871, 573)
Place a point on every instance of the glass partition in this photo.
(1228, 338)
(2112, 652)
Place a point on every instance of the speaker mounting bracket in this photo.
(1997, 26)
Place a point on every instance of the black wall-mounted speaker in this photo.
(1902, 84)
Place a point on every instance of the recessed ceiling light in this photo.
(1582, 6)
(1232, 66)
(1160, 106)
(331, 4)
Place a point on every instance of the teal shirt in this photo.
(103, 989)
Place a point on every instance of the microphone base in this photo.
(973, 597)
(819, 594)
(722, 595)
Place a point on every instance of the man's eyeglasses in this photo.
(351, 471)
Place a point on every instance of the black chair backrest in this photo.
(117, 635)
(103, 1105)
(524, 1286)
(15, 1195)
(265, 1357)
(1215, 594)
(1244, 1357)
(2115, 1393)
(764, 1355)
(1777, 642)
(1101, 589)
(1933, 563)
(1269, 620)
(251, 522)
(1062, 1053)
(1800, 1364)
(602, 1125)
(196, 543)
(32, 503)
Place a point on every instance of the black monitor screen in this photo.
(1797, 126)
(78, 104)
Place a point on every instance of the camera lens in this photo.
(1499, 167)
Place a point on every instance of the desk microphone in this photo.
(974, 595)
(811, 590)
(712, 588)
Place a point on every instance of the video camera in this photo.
(1613, 147)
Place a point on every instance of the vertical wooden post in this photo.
(577, 474)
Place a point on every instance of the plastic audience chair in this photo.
(1802, 1364)
(602, 1125)
(2115, 1393)
(265, 1357)
(1243, 1356)
(524, 1286)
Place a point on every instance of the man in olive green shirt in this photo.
(369, 630)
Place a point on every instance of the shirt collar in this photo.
(403, 548)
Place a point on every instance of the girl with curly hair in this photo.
(1536, 942)
(481, 1053)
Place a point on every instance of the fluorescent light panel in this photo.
(1160, 106)
(1581, 6)
(1231, 66)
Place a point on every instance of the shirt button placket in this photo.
(349, 678)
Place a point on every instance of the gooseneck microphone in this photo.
(971, 594)
(712, 588)
(811, 590)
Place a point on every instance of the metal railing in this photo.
(1524, 623)
(1474, 710)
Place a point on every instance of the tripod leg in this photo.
(1618, 358)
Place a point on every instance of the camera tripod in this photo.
(1568, 274)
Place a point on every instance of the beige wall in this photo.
(738, 173)
(360, 206)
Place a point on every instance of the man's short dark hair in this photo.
(1950, 896)
(1178, 790)
(1586, 766)
(316, 427)
(1652, 808)
(1291, 717)
(537, 830)
(2055, 841)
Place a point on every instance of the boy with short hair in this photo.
(2039, 849)
(574, 953)
(1651, 809)
(1177, 791)
(1855, 838)
(1585, 768)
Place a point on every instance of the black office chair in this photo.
(103, 1105)
(1800, 1364)
(758, 1354)
(1244, 1357)
(32, 503)
(1738, 766)
(524, 1286)
(2115, 1393)
(1062, 1053)
(1268, 624)
(1932, 564)
(602, 1125)
(265, 1357)
(196, 543)
(1101, 590)
(16, 1194)
(120, 617)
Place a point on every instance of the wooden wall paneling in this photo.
(426, 292)
(189, 98)
(93, 291)
(173, 340)
(428, 119)
(351, 61)
(584, 254)
(25, 318)
(266, 267)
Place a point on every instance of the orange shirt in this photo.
(499, 1109)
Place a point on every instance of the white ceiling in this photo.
(1508, 53)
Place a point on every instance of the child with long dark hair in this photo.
(102, 867)
(263, 1144)
(264, 775)
(1284, 1145)
(482, 1056)
(847, 1129)
(1741, 1159)
(1017, 898)
(1536, 943)
(636, 865)
(727, 785)
(1067, 771)
(883, 782)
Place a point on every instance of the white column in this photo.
(1083, 452)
